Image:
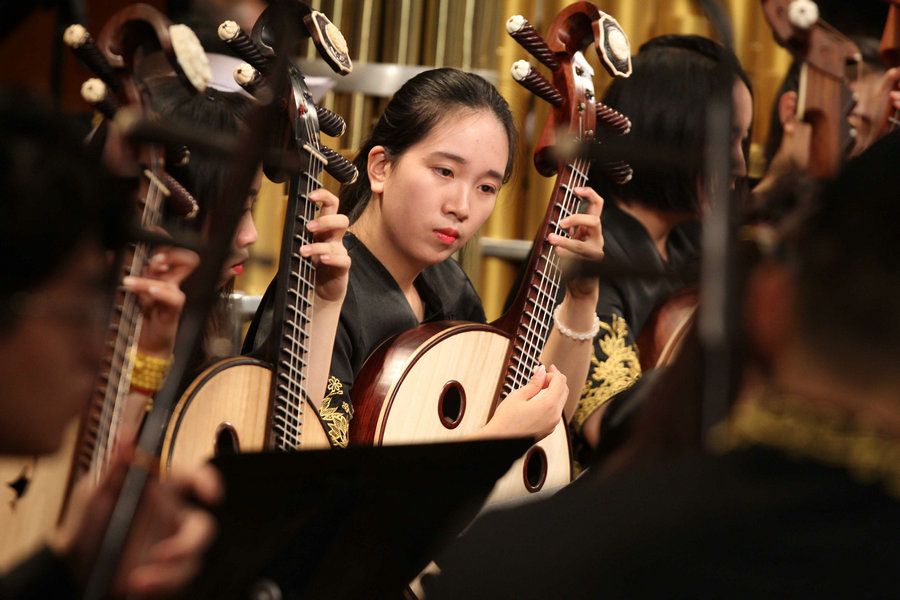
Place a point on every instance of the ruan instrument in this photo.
(38, 489)
(248, 404)
(444, 380)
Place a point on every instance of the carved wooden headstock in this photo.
(824, 98)
(576, 110)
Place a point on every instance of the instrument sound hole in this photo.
(535, 469)
(227, 441)
(452, 405)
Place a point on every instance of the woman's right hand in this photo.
(532, 410)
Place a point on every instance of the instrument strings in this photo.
(126, 325)
(536, 326)
(296, 365)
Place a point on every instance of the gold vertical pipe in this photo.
(468, 26)
(440, 44)
(403, 42)
(358, 100)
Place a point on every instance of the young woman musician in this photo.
(428, 179)
(650, 221)
(205, 177)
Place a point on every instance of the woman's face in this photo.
(244, 236)
(435, 196)
(741, 120)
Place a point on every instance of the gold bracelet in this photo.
(148, 372)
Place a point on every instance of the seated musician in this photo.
(60, 213)
(650, 222)
(428, 179)
(800, 500)
(205, 177)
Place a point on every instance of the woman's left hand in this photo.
(327, 251)
(586, 242)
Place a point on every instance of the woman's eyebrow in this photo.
(459, 159)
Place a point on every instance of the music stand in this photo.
(348, 523)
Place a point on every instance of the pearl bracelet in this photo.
(574, 335)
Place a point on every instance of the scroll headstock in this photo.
(576, 111)
(279, 31)
(824, 98)
(125, 54)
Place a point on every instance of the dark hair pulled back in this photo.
(415, 109)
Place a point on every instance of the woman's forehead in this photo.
(477, 136)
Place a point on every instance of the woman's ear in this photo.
(378, 167)
(787, 107)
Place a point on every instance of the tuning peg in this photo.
(523, 32)
(612, 119)
(330, 123)
(232, 34)
(339, 167)
(179, 201)
(619, 171)
(248, 78)
(95, 93)
(531, 79)
(329, 41)
(80, 42)
(803, 14)
(178, 155)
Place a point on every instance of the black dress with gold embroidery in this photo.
(375, 310)
(625, 303)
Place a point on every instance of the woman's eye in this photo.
(488, 189)
(443, 172)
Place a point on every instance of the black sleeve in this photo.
(336, 409)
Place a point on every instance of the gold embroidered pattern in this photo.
(781, 421)
(336, 416)
(617, 372)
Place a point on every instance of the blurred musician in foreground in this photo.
(799, 498)
(60, 214)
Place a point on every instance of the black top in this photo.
(625, 303)
(752, 523)
(374, 310)
(40, 577)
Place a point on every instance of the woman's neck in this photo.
(658, 223)
(368, 229)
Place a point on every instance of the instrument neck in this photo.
(101, 430)
(296, 287)
(533, 310)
